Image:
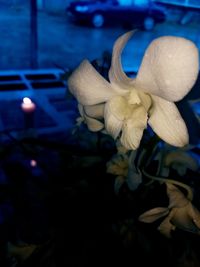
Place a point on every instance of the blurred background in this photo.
(63, 28)
(64, 32)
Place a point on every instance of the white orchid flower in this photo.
(180, 213)
(167, 73)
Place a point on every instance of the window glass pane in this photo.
(15, 34)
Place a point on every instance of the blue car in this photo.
(100, 13)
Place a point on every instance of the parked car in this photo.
(100, 13)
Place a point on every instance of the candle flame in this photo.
(27, 100)
(33, 163)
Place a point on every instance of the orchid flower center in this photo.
(138, 99)
(134, 98)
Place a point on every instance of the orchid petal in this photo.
(169, 68)
(195, 215)
(133, 128)
(134, 177)
(167, 122)
(81, 110)
(93, 124)
(183, 220)
(153, 214)
(95, 111)
(131, 136)
(176, 197)
(116, 74)
(118, 107)
(166, 226)
(88, 86)
(114, 114)
(145, 100)
(118, 165)
(113, 125)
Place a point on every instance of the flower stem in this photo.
(162, 179)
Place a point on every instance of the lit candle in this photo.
(28, 107)
(33, 163)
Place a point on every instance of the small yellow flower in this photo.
(118, 165)
(123, 166)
